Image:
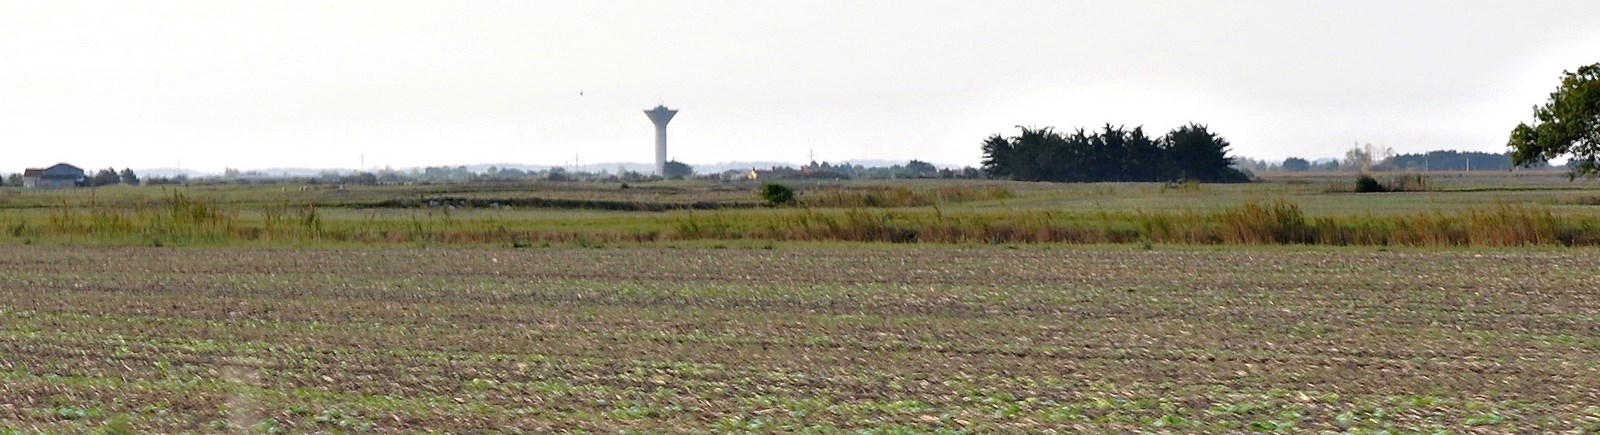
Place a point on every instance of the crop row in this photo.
(208, 339)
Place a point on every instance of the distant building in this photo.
(660, 116)
(60, 176)
(739, 174)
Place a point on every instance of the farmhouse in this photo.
(738, 175)
(60, 176)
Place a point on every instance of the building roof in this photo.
(59, 171)
(58, 167)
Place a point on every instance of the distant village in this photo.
(65, 175)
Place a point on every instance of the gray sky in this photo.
(253, 84)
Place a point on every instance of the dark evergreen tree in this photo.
(1144, 158)
(1114, 154)
(1107, 155)
(677, 170)
(921, 169)
(1077, 151)
(128, 177)
(1200, 155)
(106, 176)
(997, 157)
(1296, 164)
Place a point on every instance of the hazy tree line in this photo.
(1191, 154)
(912, 169)
(678, 170)
(110, 176)
(1449, 161)
(492, 174)
(1358, 159)
(1188, 153)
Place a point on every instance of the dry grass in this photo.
(887, 196)
(185, 221)
(1466, 211)
(1251, 223)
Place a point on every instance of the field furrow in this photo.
(976, 339)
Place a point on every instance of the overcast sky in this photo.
(252, 84)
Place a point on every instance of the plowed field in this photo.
(798, 338)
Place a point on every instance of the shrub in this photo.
(1409, 183)
(777, 194)
(1366, 184)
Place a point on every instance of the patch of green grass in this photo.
(1457, 211)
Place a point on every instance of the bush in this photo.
(777, 194)
(1409, 183)
(1366, 184)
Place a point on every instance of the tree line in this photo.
(1188, 153)
(1439, 160)
(109, 176)
(464, 174)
